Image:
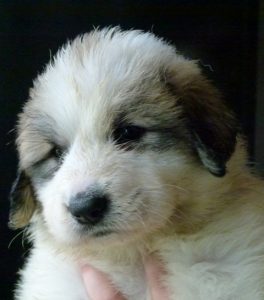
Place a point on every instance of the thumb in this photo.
(154, 272)
(98, 286)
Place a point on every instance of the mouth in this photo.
(93, 231)
(97, 232)
(102, 233)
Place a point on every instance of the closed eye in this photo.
(57, 152)
(45, 167)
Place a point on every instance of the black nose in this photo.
(89, 207)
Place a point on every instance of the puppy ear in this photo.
(22, 202)
(211, 125)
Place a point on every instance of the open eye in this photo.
(129, 133)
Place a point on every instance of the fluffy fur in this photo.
(182, 190)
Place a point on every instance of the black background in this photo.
(222, 34)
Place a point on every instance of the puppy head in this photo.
(114, 129)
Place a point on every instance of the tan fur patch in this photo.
(23, 204)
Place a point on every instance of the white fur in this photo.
(79, 91)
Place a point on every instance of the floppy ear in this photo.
(211, 125)
(22, 202)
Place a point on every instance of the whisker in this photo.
(176, 187)
(15, 237)
(24, 238)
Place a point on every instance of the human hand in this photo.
(99, 287)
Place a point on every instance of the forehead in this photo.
(103, 74)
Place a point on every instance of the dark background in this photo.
(221, 34)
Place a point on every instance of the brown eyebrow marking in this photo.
(156, 115)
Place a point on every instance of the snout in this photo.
(89, 207)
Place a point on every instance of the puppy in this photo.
(126, 150)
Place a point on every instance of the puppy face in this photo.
(114, 130)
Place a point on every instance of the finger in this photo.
(98, 286)
(154, 272)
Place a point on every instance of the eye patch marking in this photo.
(156, 138)
(154, 127)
